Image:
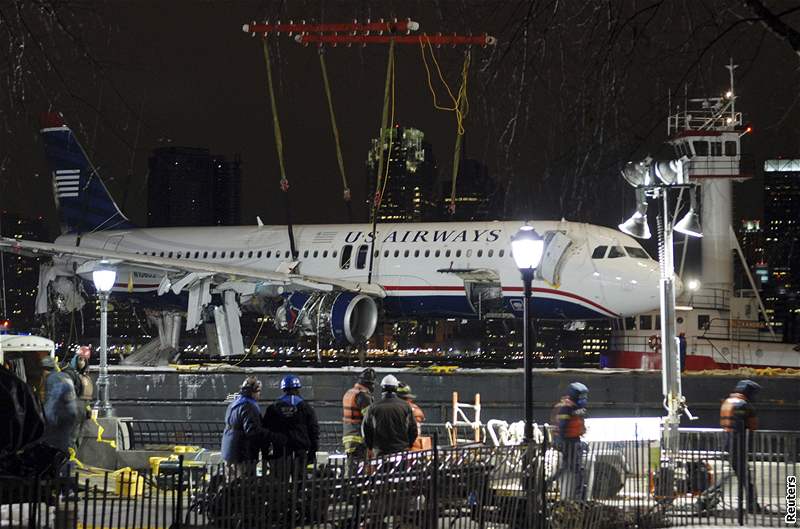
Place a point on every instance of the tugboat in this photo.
(720, 328)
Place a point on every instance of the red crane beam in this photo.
(437, 40)
(395, 26)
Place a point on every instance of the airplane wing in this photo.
(184, 272)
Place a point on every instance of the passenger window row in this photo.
(363, 251)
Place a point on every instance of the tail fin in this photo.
(84, 204)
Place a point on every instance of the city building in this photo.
(782, 243)
(751, 239)
(188, 186)
(474, 193)
(409, 187)
(19, 274)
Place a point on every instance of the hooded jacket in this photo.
(244, 436)
(389, 425)
(61, 411)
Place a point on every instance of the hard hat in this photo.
(390, 381)
(404, 391)
(250, 386)
(577, 390)
(748, 388)
(367, 377)
(290, 382)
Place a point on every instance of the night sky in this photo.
(570, 93)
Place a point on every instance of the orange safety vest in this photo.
(351, 413)
(735, 411)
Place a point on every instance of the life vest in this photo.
(351, 413)
(568, 419)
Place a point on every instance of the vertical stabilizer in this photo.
(84, 204)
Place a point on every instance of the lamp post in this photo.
(527, 247)
(103, 278)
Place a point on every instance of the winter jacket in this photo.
(20, 411)
(61, 411)
(389, 425)
(295, 419)
(244, 436)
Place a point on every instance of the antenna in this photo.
(731, 67)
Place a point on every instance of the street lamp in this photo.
(103, 278)
(527, 247)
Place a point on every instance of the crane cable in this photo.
(345, 187)
(460, 106)
(380, 186)
(276, 124)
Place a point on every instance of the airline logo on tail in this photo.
(68, 183)
(84, 203)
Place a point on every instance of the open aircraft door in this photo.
(555, 251)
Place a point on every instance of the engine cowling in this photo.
(341, 317)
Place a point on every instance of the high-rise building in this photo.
(19, 274)
(409, 186)
(474, 193)
(782, 242)
(190, 187)
(751, 239)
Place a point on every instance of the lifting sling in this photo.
(345, 186)
(279, 148)
(380, 185)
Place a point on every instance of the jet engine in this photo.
(341, 317)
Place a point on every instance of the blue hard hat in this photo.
(290, 382)
(577, 390)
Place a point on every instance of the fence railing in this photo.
(574, 485)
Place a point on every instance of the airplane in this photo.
(342, 278)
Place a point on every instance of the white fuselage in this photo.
(421, 266)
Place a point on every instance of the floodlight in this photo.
(638, 173)
(104, 277)
(693, 284)
(527, 247)
(671, 171)
(637, 226)
(690, 223)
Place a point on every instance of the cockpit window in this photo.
(616, 251)
(637, 252)
(599, 252)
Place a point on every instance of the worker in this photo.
(404, 392)
(389, 426)
(244, 437)
(21, 414)
(295, 419)
(737, 417)
(568, 419)
(60, 408)
(76, 371)
(354, 402)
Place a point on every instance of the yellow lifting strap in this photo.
(380, 187)
(460, 106)
(276, 123)
(388, 95)
(324, 68)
